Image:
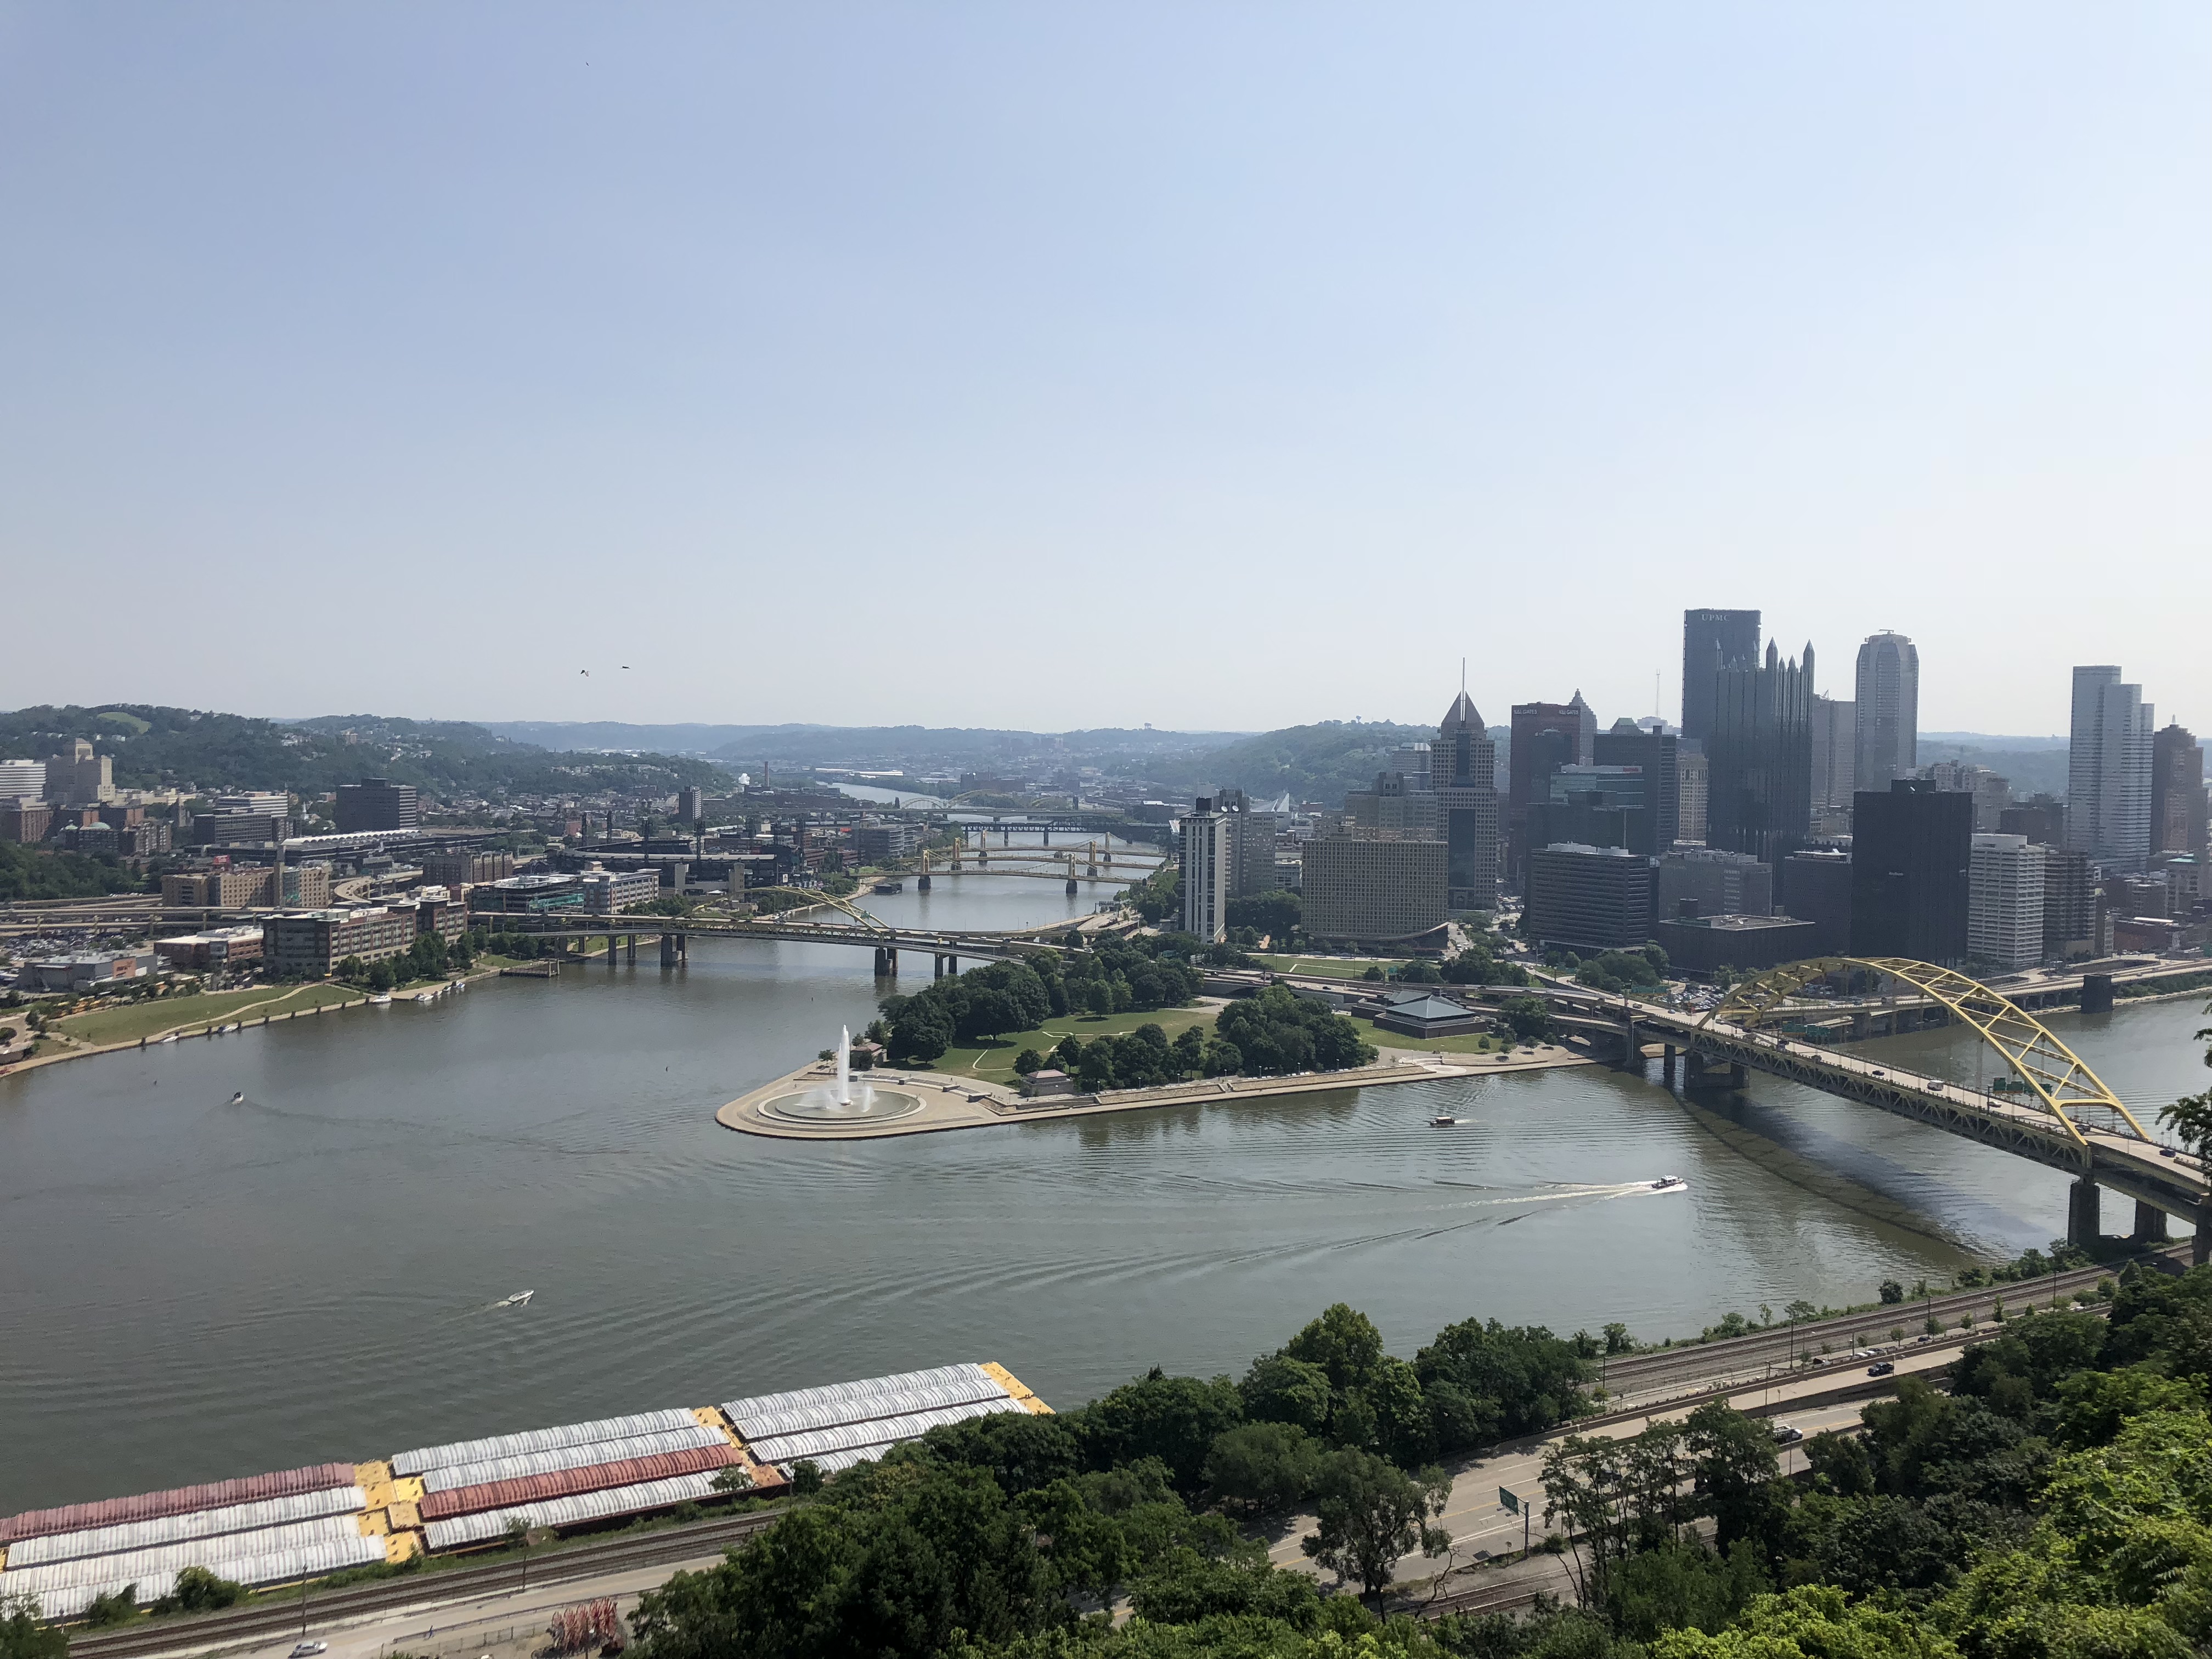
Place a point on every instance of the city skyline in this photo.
(663, 346)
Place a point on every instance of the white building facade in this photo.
(2004, 904)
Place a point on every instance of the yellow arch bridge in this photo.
(2048, 1104)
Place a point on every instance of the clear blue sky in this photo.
(1219, 366)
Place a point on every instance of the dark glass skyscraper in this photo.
(1464, 765)
(1713, 640)
(1760, 757)
(1912, 856)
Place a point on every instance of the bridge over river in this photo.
(2048, 1106)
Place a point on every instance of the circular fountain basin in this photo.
(821, 1106)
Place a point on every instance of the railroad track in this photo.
(1630, 1374)
(272, 1618)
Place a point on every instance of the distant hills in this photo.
(155, 747)
(846, 745)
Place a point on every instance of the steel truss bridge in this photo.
(2049, 1106)
(947, 947)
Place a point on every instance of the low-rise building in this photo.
(1589, 898)
(1702, 945)
(227, 887)
(309, 944)
(528, 895)
(1722, 883)
(216, 947)
(87, 968)
(240, 829)
(1048, 1082)
(467, 869)
(609, 892)
(886, 843)
(1430, 1017)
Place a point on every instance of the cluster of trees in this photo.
(1620, 970)
(1009, 1537)
(1277, 913)
(428, 958)
(2057, 1502)
(153, 745)
(35, 873)
(1479, 965)
(1279, 1031)
(1116, 977)
(1271, 1033)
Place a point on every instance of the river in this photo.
(192, 1289)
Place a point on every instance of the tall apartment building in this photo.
(1589, 898)
(1713, 640)
(376, 804)
(1695, 775)
(23, 780)
(1464, 765)
(1251, 867)
(1660, 756)
(1887, 717)
(2004, 904)
(2177, 793)
(1759, 753)
(77, 777)
(1411, 762)
(2072, 912)
(2108, 771)
(1359, 890)
(1835, 754)
(1207, 871)
(1911, 854)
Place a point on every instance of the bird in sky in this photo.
(586, 672)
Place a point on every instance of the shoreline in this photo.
(950, 1103)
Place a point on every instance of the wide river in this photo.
(192, 1289)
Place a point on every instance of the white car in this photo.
(309, 1649)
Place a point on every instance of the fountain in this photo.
(838, 1102)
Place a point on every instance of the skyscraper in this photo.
(1713, 640)
(1835, 754)
(1659, 753)
(1464, 766)
(1887, 715)
(1758, 792)
(1207, 871)
(1911, 871)
(2004, 903)
(2177, 793)
(1545, 736)
(2108, 771)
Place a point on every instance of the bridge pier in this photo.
(2150, 1224)
(611, 953)
(922, 885)
(671, 949)
(1666, 1066)
(630, 954)
(2083, 1217)
(886, 962)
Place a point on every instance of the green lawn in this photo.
(130, 1021)
(1329, 967)
(995, 1063)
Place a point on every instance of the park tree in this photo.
(1371, 1512)
(1262, 1467)
(1174, 1418)
(23, 1637)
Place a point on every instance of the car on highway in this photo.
(309, 1649)
(1881, 1368)
(1788, 1434)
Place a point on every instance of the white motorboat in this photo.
(520, 1299)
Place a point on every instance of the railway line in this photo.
(276, 1615)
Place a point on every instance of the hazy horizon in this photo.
(1224, 368)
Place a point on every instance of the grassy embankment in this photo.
(151, 1018)
(1330, 967)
